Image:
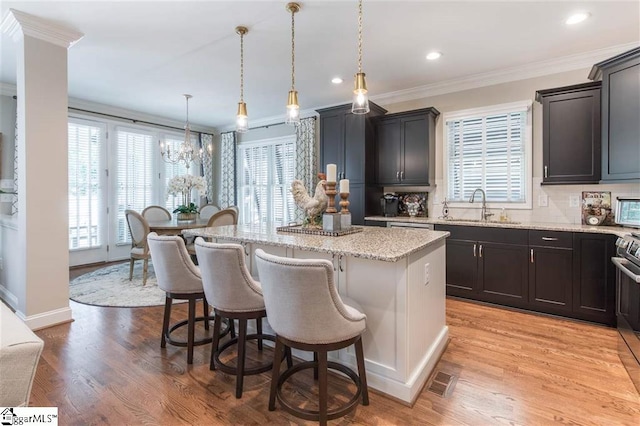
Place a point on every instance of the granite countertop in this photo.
(376, 243)
(568, 227)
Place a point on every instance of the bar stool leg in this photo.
(165, 321)
(315, 368)
(242, 342)
(205, 308)
(259, 331)
(289, 357)
(217, 324)
(191, 330)
(322, 387)
(362, 372)
(275, 373)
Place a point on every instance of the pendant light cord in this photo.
(360, 36)
(293, 49)
(241, 67)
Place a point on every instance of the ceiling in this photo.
(144, 55)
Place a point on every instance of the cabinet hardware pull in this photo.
(531, 257)
(402, 175)
(549, 239)
(340, 263)
(546, 171)
(474, 250)
(397, 175)
(333, 258)
(480, 250)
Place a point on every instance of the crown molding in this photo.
(536, 69)
(17, 24)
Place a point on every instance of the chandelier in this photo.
(188, 152)
(360, 98)
(293, 108)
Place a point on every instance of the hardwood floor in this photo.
(107, 367)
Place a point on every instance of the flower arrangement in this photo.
(183, 185)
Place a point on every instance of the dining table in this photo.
(174, 226)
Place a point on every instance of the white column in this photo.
(42, 254)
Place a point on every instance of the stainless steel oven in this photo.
(627, 264)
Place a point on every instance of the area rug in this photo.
(110, 286)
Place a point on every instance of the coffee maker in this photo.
(389, 204)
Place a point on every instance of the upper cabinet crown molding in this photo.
(17, 23)
(596, 70)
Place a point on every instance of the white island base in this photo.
(403, 296)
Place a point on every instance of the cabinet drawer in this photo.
(551, 239)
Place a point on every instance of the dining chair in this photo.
(208, 210)
(180, 279)
(156, 213)
(307, 313)
(221, 218)
(139, 229)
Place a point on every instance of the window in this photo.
(489, 148)
(171, 170)
(134, 190)
(266, 170)
(85, 140)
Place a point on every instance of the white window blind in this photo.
(84, 146)
(488, 150)
(135, 153)
(171, 170)
(266, 171)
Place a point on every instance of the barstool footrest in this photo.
(203, 341)
(225, 368)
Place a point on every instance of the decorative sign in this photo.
(596, 208)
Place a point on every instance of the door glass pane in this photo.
(85, 203)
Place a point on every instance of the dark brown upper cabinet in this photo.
(405, 147)
(620, 116)
(571, 134)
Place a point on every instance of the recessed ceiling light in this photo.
(433, 55)
(336, 80)
(576, 18)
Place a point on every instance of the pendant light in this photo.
(360, 98)
(242, 118)
(293, 108)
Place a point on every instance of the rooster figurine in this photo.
(312, 206)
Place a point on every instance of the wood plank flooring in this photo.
(107, 367)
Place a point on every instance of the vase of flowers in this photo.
(183, 185)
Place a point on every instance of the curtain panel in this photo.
(207, 165)
(306, 169)
(227, 169)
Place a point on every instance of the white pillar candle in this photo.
(344, 186)
(332, 171)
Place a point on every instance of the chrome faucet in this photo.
(483, 215)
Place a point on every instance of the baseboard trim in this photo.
(47, 319)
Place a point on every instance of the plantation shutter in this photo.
(84, 146)
(487, 152)
(171, 170)
(134, 176)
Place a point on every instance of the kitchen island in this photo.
(398, 278)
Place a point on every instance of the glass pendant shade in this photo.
(360, 98)
(293, 108)
(242, 118)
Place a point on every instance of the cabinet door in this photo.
(332, 140)
(571, 137)
(550, 279)
(356, 203)
(414, 153)
(594, 277)
(621, 130)
(462, 268)
(388, 152)
(354, 148)
(503, 273)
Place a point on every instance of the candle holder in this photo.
(331, 193)
(344, 203)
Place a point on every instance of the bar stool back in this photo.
(307, 313)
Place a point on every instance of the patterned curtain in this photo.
(306, 157)
(228, 169)
(14, 204)
(207, 166)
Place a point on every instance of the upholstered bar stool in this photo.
(179, 278)
(307, 313)
(235, 295)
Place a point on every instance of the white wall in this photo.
(558, 210)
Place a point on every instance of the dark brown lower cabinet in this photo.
(561, 273)
(594, 291)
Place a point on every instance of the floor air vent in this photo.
(442, 384)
